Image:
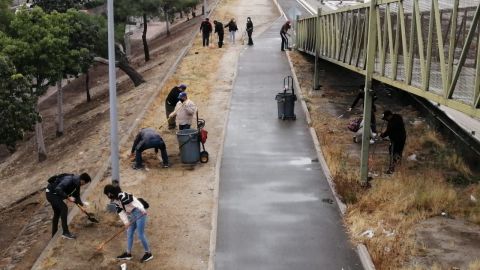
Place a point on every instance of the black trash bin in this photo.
(286, 100)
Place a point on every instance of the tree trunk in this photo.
(122, 64)
(41, 150)
(87, 85)
(136, 78)
(59, 121)
(144, 38)
(167, 22)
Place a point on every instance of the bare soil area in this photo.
(400, 217)
(25, 214)
(181, 197)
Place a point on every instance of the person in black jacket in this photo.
(220, 32)
(171, 102)
(249, 30)
(232, 28)
(148, 138)
(61, 187)
(397, 134)
(361, 96)
(206, 29)
(283, 35)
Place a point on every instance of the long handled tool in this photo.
(90, 216)
(166, 121)
(102, 245)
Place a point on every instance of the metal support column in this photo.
(112, 80)
(316, 75)
(367, 106)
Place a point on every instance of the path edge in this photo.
(361, 250)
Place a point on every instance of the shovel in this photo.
(90, 216)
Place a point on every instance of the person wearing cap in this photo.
(148, 138)
(396, 133)
(184, 111)
(171, 102)
(206, 29)
(249, 29)
(283, 34)
(220, 32)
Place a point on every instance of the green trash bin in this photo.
(189, 145)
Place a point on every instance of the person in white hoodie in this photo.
(133, 214)
(184, 111)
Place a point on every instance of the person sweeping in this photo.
(134, 216)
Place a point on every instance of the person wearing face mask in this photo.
(184, 111)
(249, 30)
(131, 211)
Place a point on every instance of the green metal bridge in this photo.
(430, 48)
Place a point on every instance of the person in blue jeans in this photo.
(134, 216)
(148, 138)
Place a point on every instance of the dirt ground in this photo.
(435, 241)
(181, 197)
(84, 147)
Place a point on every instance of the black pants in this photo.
(156, 145)
(220, 40)
(205, 39)
(395, 149)
(171, 121)
(284, 41)
(60, 210)
(373, 122)
(250, 41)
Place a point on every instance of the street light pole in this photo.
(112, 80)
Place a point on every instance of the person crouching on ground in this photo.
(64, 187)
(397, 134)
(134, 217)
(184, 111)
(148, 138)
(170, 103)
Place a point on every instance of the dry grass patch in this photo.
(384, 216)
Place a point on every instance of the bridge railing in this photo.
(430, 48)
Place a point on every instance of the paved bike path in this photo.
(271, 214)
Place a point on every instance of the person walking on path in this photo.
(220, 32)
(232, 28)
(206, 29)
(171, 102)
(148, 138)
(184, 111)
(397, 134)
(134, 216)
(283, 34)
(64, 187)
(249, 29)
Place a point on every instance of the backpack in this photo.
(144, 203)
(354, 124)
(57, 177)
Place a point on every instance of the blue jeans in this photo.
(139, 225)
(157, 144)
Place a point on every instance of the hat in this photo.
(385, 114)
(183, 86)
(182, 95)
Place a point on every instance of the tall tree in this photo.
(38, 47)
(17, 104)
(6, 14)
(56, 5)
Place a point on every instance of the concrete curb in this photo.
(100, 174)
(362, 250)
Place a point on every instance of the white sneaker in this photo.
(372, 141)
